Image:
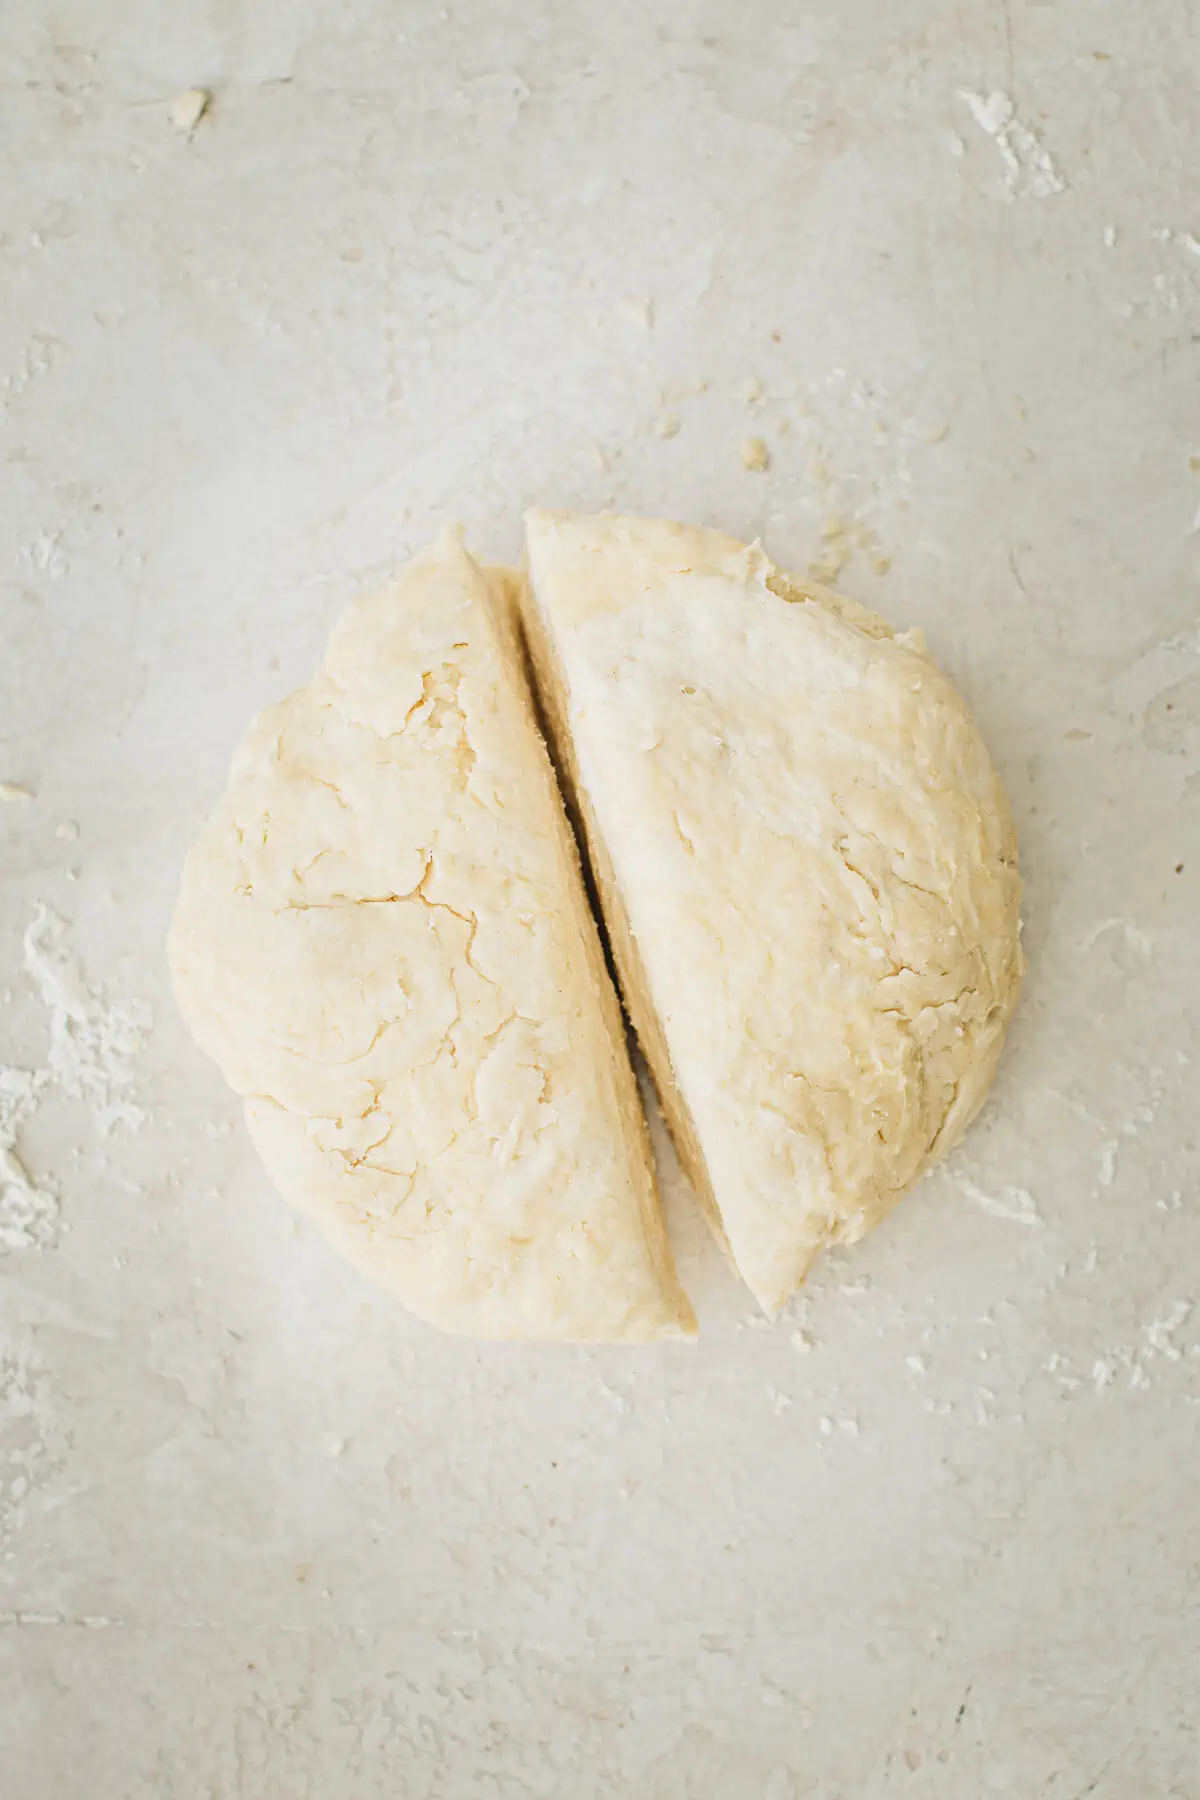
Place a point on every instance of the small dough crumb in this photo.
(67, 830)
(755, 455)
(14, 792)
(188, 108)
(637, 312)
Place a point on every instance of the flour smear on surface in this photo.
(91, 1055)
(1029, 169)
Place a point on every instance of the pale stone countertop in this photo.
(262, 1535)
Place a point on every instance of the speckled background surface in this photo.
(935, 1533)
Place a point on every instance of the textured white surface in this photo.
(260, 1533)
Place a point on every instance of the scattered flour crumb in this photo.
(1110, 236)
(1108, 1162)
(917, 1364)
(14, 793)
(1007, 1203)
(779, 1401)
(1159, 1332)
(755, 455)
(1121, 1358)
(846, 1427)
(1056, 1365)
(670, 425)
(1029, 170)
(44, 555)
(67, 830)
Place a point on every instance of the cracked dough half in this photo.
(806, 865)
(383, 940)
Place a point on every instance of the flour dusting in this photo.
(1029, 169)
(28, 1212)
(92, 1043)
(30, 1441)
(1160, 1332)
(91, 1057)
(1012, 1203)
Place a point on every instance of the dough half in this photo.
(383, 940)
(806, 865)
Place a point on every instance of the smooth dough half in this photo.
(806, 865)
(383, 940)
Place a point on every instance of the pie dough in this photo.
(383, 940)
(806, 866)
